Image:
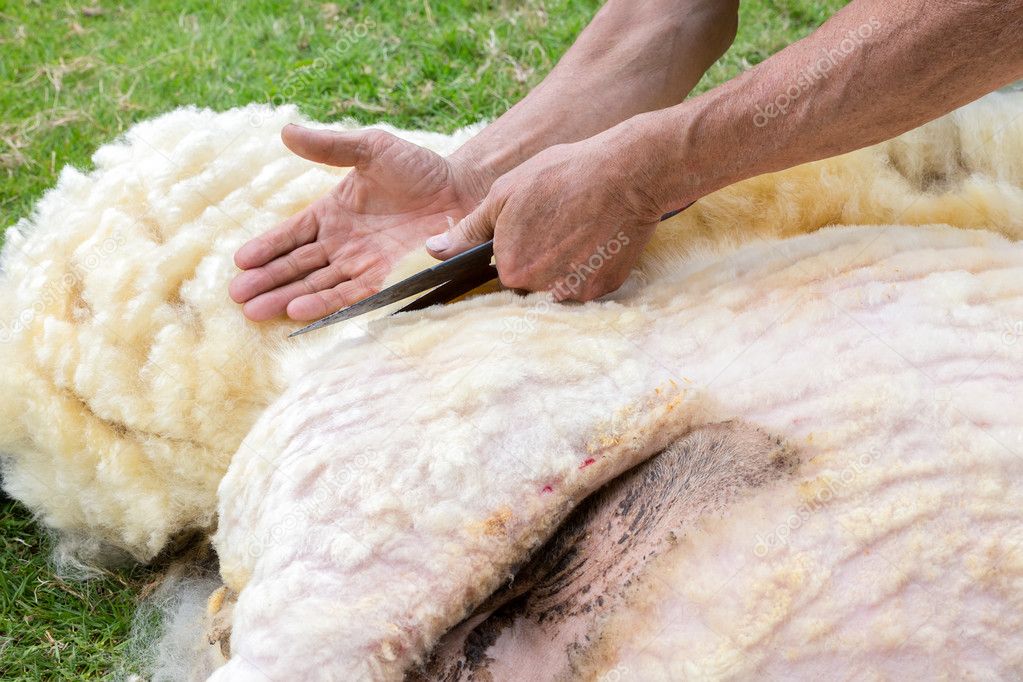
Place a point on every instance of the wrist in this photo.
(472, 175)
(675, 156)
(658, 170)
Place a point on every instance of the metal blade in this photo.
(463, 264)
(449, 291)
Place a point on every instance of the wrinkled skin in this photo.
(602, 224)
(339, 249)
(548, 622)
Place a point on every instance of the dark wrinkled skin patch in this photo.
(545, 622)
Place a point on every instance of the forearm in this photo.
(904, 64)
(633, 57)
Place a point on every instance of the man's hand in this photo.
(339, 249)
(569, 221)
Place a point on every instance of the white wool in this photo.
(165, 642)
(130, 377)
(425, 466)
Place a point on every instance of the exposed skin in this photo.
(550, 621)
(564, 190)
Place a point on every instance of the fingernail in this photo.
(439, 242)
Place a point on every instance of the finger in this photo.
(296, 231)
(335, 147)
(346, 265)
(316, 305)
(269, 305)
(278, 272)
(473, 229)
(329, 276)
(272, 303)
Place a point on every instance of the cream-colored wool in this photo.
(130, 378)
(402, 475)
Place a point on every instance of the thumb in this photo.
(343, 148)
(472, 230)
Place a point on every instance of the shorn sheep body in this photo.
(371, 485)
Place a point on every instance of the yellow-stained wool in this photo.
(130, 378)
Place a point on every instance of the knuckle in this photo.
(305, 257)
(476, 230)
(367, 146)
(288, 267)
(262, 280)
(277, 240)
(513, 279)
(377, 141)
(336, 297)
(316, 281)
(503, 188)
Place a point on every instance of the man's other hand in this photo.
(339, 249)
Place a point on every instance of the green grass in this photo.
(75, 74)
(51, 628)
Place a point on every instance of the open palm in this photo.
(339, 249)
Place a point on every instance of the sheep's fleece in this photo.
(374, 482)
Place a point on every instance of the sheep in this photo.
(132, 384)
(358, 530)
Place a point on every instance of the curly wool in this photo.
(129, 378)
